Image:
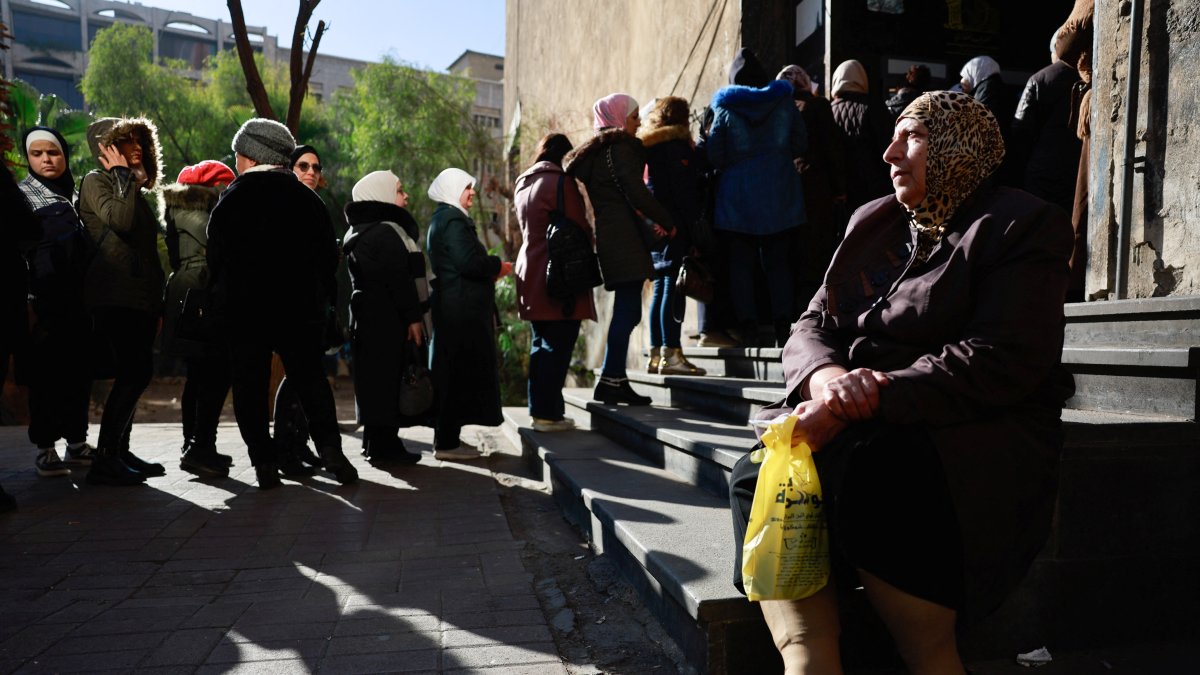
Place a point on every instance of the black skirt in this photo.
(888, 508)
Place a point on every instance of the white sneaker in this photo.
(48, 463)
(463, 451)
(565, 424)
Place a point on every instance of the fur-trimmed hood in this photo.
(597, 141)
(671, 132)
(193, 197)
(753, 104)
(108, 129)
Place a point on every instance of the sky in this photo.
(429, 33)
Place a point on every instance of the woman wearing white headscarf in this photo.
(390, 299)
(981, 79)
(465, 376)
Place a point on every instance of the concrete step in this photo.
(1146, 380)
(672, 541)
(763, 364)
(729, 399)
(696, 448)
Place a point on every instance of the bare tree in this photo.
(300, 69)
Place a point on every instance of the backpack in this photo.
(572, 267)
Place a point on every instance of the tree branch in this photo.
(254, 83)
(299, 72)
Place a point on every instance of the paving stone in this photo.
(512, 635)
(228, 651)
(273, 632)
(113, 661)
(383, 642)
(499, 655)
(185, 647)
(281, 667)
(393, 662)
(97, 644)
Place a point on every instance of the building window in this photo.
(62, 86)
(38, 31)
(191, 50)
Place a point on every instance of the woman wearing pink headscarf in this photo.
(628, 220)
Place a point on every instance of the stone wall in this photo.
(1164, 251)
(557, 63)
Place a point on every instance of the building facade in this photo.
(51, 40)
(486, 71)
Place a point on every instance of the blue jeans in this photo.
(627, 312)
(664, 329)
(550, 349)
(746, 252)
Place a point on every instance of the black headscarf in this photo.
(300, 151)
(64, 185)
(747, 71)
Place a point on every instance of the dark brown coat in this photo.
(972, 341)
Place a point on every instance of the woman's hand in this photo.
(506, 269)
(110, 156)
(854, 396)
(416, 333)
(815, 424)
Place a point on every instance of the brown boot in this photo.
(674, 363)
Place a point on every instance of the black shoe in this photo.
(292, 467)
(613, 390)
(140, 465)
(109, 470)
(306, 455)
(204, 461)
(268, 476)
(391, 453)
(337, 464)
(224, 460)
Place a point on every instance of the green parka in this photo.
(126, 271)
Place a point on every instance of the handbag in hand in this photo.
(195, 323)
(695, 280)
(416, 384)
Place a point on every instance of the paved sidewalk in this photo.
(412, 569)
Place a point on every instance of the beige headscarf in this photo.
(448, 187)
(849, 78)
(965, 147)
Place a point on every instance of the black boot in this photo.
(391, 451)
(337, 464)
(108, 469)
(140, 465)
(203, 460)
(614, 390)
(292, 466)
(268, 476)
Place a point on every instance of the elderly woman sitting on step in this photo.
(926, 377)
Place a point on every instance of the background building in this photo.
(487, 72)
(51, 39)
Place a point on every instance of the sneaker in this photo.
(150, 469)
(49, 464)
(109, 470)
(549, 426)
(463, 451)
(717, 338)
(81, 455)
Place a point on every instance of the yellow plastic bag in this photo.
(785, 555)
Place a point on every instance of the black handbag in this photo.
(571, 264)
(195, 323)
(695, 280)
(416, 384)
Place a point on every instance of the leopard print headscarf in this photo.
(965, 147)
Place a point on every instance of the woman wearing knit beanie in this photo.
(185, 207)
(628, 222)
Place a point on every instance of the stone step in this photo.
(672, 541)
(698, 449)
(1146, 380)
(729, 399)
(763, 364)
(1150, 322)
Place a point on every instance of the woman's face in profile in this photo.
(308, 170)
(467, 198)
(633, 122)
(401, 195)
(907, 156)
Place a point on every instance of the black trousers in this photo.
(204, 393)
(60, 382)
(301, 355)
(129, 335)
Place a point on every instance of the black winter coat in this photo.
(383, 304)
(272, 256)
(675, 183)
(623, 240)
(20, 230)
(865, 134)
(1045, 148)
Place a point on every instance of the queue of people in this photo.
(934, 326)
